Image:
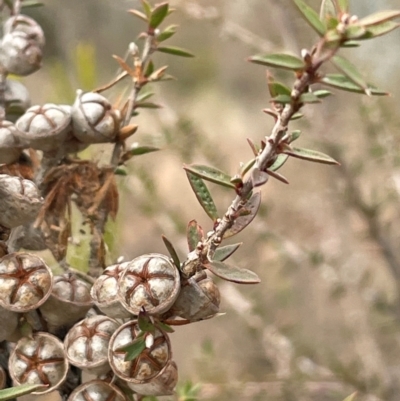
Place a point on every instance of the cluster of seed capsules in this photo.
(54, 322)
(99, 322)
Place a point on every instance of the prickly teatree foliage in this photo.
(114, 322)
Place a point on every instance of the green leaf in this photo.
(203, 195)
(139, 14)
(232, 273)
(283, 99)
(158, 15)
(224, 252)
(134, 349)
(351, 72)
(343, 5)
(241, 222)
(340, 81)
(351, 397)
(311, 17)
(149, 69)
(120, 171)
(146, 8)
(322, 93)
(210, 174)
(165, 327)
(279, 162)
(277, 176)
(19, 391)
(381, 29)
(194, 234)
(311, 155)
(309, 97)
(354, 32)
(147, 105)
(167, 33)
(294, 136)
(277, 88)
(246, 167)
(350, 43)
(144, 96)
(379, 17)
(296, 116)
(145, 324)
(31, 3)
(142, 150)
(172, 251)
(176, 51)
(278, 60)
(328, 9)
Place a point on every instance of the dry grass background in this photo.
(324, 321)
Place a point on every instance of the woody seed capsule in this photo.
(150, 281)
(10, 144)
(39, 359)
(86, 344)
(97, 390)
(25, 282)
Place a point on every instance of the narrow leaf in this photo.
(133, 349)
(158, 15)
(343, 5)
(350, 71)
(232, 273)
(351, 397)
(224, 252)
(31, 3)
(379, 17)
(210, 174)
(381, 29)
(354, 32)
(279, 162)
(296, 116)
(144, 96)
(142, 150)
(145, 324)
(327, 9)
(176, 51)
(322, 93)
(194, 234)
(147, 105)
(203, 195)
(350, 43)
(146, 8)
(165, 327)
(138, 14)
(340, 81)
(171, 251)
(242, 222)
(246, 167)
(278, 176)
(276, 88)
(309, 97)
(19, 391)
(120, 171)
(253, 147)
(285, 61)
(311, 155)
(167, 33)
(311, 17)
(149, 69)
(294, 136)
(284, 99)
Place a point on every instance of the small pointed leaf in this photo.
(158, 14)
(246, 167)
(145, 324)
(351, 397)
(279, 162)
(327, 9)
(311, 155)
(19, 391)
(134, 349)
(343, 5)
(167, 33)
(149, 69)
(296, 116)
(139, 14)
(210, 174)
(354, 32)
(278, 176)
(284, 99)
(350, 71)
(171, 251)
(253, 147)
(258, 177)
(142, 150)
(147, 105)
(119, 171)
(309, 97)
(379, 17)
(203, 195)
(277, 88)
(176, 51)
(232, 273)
(224, 252)
(146, 8)
(340, 81)
(294, 136)
(27, 4)
(311, 17)
(144, 96)
(322, 93)
(242, 222)
(194, 234)
(380, 29)
(165, 327)
(350, 43)
(278, 60)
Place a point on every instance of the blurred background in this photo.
(325, 321)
